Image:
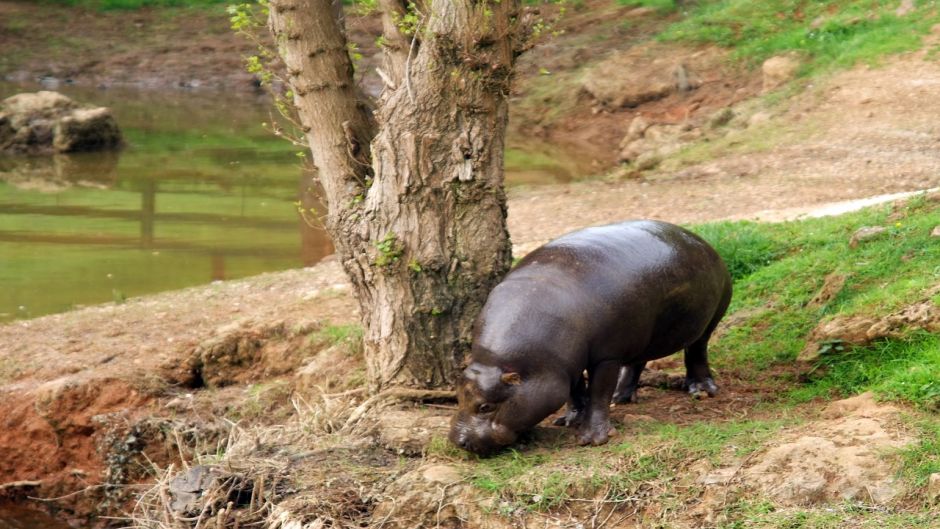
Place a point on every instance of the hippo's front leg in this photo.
(577, 403)
(602, 380)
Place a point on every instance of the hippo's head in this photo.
(494, 406)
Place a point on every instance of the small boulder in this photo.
(46, 122)
(758, 118)
(866, 233)
(635, 130)
(933, 488)
(187, 488)
(92, 129)
(935, 232)
(779, 70)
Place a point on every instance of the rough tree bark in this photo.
(416, 203)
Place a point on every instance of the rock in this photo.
(638, 12)
(721, 118)
(635, 130)
(186, 488)
(758, 118)
(861, 330)
(832, 285)
(935, 232)
(42, 104)
(648, 160)
(93, 129)
(443, 474)
(427, 497)
(634, 149)
(43, 122)
(645, 73)
(662, 133)
(839, 458)
(409, 432)
(779, 70)
(906, 8)
(933, 488)
(866, 233)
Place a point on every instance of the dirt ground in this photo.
(80, 388)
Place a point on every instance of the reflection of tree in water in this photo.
(55, 173)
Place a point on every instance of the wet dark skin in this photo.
(604, 300)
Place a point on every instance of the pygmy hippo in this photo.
(594, 300)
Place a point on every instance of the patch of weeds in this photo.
(711, 441)
(839, 33)
(921, 459)
(760, 513)
(906, 370)
(9, 370)
(441, 448)
(268, 401)
(884, 275)
(349, 335)
(390, 250)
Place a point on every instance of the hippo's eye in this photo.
(485, 408)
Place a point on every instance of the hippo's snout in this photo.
(478, 435)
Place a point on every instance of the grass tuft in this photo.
(744, 246)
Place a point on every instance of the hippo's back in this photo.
(625, 282)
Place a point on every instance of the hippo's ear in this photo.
(513, 379)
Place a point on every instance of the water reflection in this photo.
(201, 192)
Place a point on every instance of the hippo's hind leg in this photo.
(698, 377)
(602, 380)
(577, 402)
(628, 383)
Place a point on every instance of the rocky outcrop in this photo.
(645, 144)
(646, 73)
(779, 70)
(47, 122)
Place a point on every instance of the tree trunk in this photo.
(420, 224)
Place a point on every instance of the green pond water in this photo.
(202, 192)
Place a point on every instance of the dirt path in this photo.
(860, 133)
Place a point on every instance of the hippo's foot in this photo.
(627, 396)
(703, 388)
(594, 434)
(571, 419)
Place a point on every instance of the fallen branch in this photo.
(396, 394)
(19, 485)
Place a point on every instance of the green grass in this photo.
(649, 452)
(744, 246)
(907, 370)
(751, 513)
(659, 5)
(348, 335)
(921, 459)
(837, 33)
(780, 267)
